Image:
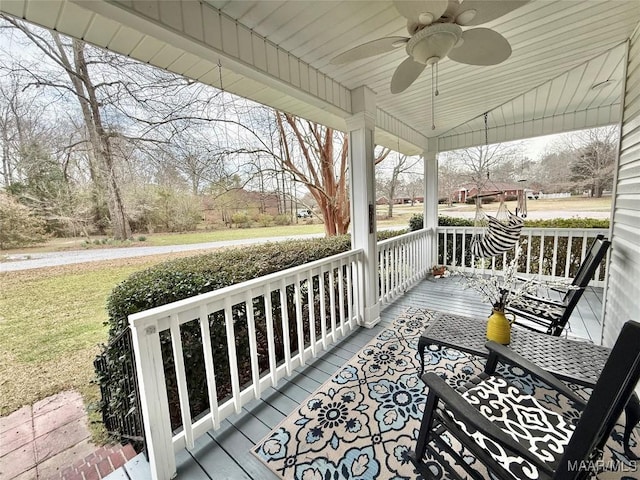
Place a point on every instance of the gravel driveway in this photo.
(54, 259)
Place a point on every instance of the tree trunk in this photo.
(100, 142)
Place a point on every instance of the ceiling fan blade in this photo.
(423, 12)
(485, 10)
(405, 75)
(481, 46)
(369, 49)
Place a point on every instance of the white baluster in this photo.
(205, 333)
(181, 380)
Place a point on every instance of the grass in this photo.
(51, 325)
(162, 239)
(231, 234)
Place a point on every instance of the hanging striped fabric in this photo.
(499, 237)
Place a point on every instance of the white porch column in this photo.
(430, 222)
(362, 189)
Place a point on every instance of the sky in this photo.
(535, 148)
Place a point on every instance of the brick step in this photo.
(97, 465)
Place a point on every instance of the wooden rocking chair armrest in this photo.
(466, 413)
(500, 353)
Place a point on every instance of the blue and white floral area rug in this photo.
(361, 424)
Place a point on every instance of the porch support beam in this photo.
(361, 128)
(430, 219)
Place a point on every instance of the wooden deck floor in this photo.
(225, 453)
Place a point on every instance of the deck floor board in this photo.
(226, 453)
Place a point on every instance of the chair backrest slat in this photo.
(589, 266)
(587, 254)
(610, 396)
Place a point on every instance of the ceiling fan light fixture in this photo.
(466, 17)
(434, 41)
(425, 18)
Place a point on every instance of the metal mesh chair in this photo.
(511, 433)
(551, 316)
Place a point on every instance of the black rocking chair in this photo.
(512, 434)
(550, 316)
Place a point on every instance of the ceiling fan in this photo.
(435, 32)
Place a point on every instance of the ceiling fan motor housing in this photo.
(433, 42)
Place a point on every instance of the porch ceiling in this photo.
(278, 52)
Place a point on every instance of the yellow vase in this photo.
(499, 327)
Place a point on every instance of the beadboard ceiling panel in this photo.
(278, 52)
(549, 39)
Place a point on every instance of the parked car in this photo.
(304, 213)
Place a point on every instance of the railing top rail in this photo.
(404, 236)
(138, 319)
(563, 230)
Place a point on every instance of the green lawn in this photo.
(51, 323)
(231, 234)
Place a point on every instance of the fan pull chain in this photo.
(433, 100)
(437, 92)
(486, 136)
(486, 129)
(224, 112)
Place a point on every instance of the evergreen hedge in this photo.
(183, 278)
(455, 257)
(416, 222)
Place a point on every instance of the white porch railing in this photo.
(402, 262)
(550, 252)
(322, 297)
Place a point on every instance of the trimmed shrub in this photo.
(445, 221)
(186, 277)
(416, 222)
(183, 278)
(386, 234)
(568, 223)
(282, 219)
(241, 219)
(264, 219)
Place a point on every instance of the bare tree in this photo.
(450, 179)
(553, 172)
(21, 125)
(389, 185)
(71, 59)
(415, 188)
(478, 163)
(593, 158)
(317, 156)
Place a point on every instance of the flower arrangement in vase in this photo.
(501, 289)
